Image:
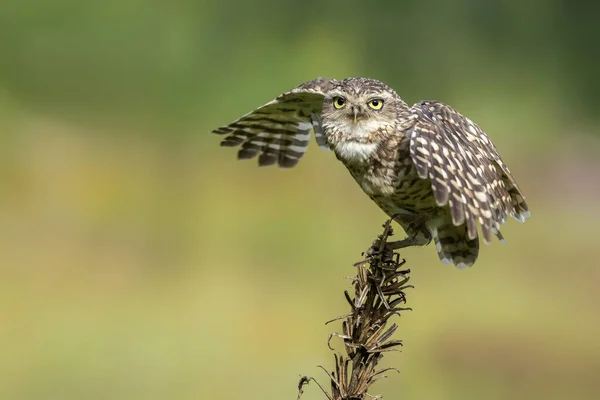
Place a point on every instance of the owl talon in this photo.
(374, 249)
(377, 250)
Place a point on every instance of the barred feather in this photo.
(454, 246)
(465, 170)
(279, 132)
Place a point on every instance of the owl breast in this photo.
(389, 177)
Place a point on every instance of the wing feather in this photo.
(279, 132)
(465, 170)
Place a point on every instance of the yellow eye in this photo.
(339, 102)
(375, 104)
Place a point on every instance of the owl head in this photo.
(359, 111)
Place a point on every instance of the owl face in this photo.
(356, 114)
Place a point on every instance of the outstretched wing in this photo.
(465, 169)
(279, 131)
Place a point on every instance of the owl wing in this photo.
(465, 169)
(279, 131)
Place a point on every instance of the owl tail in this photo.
(454, 246)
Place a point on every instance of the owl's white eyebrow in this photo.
(335, 93)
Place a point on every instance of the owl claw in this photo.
(380, 245)
(377, 249)
(374, 250)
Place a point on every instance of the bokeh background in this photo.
(138, 260)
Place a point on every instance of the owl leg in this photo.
(415, 228)
(406, 242)
(413, 225)
(409, 241)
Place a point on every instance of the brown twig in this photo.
(379, 287)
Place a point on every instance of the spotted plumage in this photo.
(431, 168)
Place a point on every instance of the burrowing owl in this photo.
(427, 166)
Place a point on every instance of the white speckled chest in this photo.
(390, 180)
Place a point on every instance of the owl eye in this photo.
(375, 104)
(339, 102)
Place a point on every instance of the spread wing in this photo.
(279, 131)
(465, 169)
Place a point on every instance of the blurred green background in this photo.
(139, 260)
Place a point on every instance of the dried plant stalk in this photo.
(379, 287)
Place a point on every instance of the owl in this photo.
(431, 169)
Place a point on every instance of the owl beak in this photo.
(355, 110)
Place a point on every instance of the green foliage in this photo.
(163, 60)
